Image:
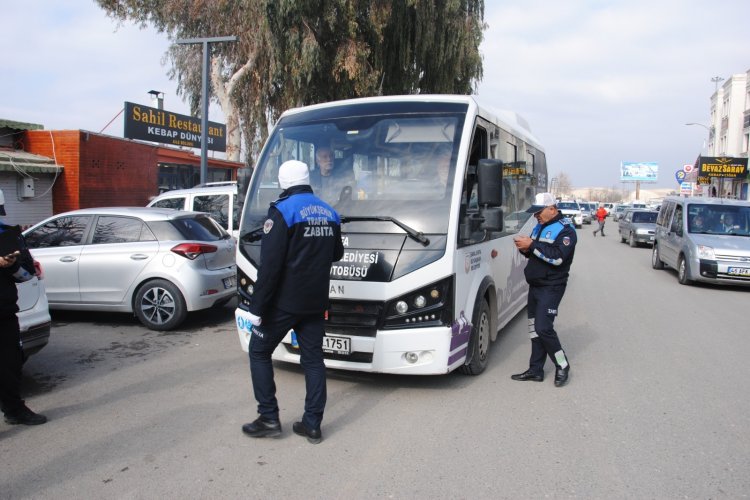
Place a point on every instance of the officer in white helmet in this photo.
(302, 238)
(549, 251)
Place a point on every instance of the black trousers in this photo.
(11, 362)
(541, 311)
(265, 338)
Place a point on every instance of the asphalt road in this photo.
(656, 407)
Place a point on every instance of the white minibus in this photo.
(432, 191)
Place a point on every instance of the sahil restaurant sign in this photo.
(157, 125)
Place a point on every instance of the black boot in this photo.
(561, 376)
(313, 435)
(262, 427)
(24, 416)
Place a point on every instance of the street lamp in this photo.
(708, 129)
(717, 80)
(700, 125)
(205, 94)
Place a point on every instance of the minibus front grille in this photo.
(354, 318)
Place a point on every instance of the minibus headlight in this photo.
(705, 252)
(427, 306)
(245, 289)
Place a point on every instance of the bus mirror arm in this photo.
(492, 218)
(488, 219)
(253, 234)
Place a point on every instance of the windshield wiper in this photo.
(254, 234)
(413, 233)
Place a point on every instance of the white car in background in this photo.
(33, 316)
(572, 211)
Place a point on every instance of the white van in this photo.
(218, 199)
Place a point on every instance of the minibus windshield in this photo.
(366, 167)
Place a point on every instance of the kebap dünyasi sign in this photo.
(158, 125)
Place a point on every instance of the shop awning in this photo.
(27, 163)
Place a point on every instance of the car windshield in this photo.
(645, 217)
(564, 205)
(719, 219)
(366, 165)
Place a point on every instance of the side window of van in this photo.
(177, 203)
(677, 220)
(665, 214)
(216, 205)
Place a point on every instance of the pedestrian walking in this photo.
(302, 238)
(601, 215)
(549, 251)
(16, 266)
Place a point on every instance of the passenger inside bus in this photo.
(328, 178)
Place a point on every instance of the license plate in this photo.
(230, 282)
(739, 271)
(337, 345)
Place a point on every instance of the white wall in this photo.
(26, 211)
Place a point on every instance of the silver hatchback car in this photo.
(157, 263)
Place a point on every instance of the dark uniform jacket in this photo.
(551, 252)
(302, 238)
(22, 270)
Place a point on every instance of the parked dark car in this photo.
(637, 226)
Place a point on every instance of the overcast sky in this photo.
(600, 82)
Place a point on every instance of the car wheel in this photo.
(159, 305)
(682, 272)
(631, 241)
(479, 345)
(656, 262)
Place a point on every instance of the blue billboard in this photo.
(642, 171)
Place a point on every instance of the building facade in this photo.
(26, 179)
(729, 132)
(101, 170)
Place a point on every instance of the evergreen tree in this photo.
(299, 52)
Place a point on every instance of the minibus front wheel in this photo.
(480, 341)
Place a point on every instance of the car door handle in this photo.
(67, 258)
(139, 256)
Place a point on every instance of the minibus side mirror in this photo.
(490, 183)
(490, 194)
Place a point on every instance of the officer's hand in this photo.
(9, 259)
(255, 320)
(522, 242)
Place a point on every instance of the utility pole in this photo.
(205, 94)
